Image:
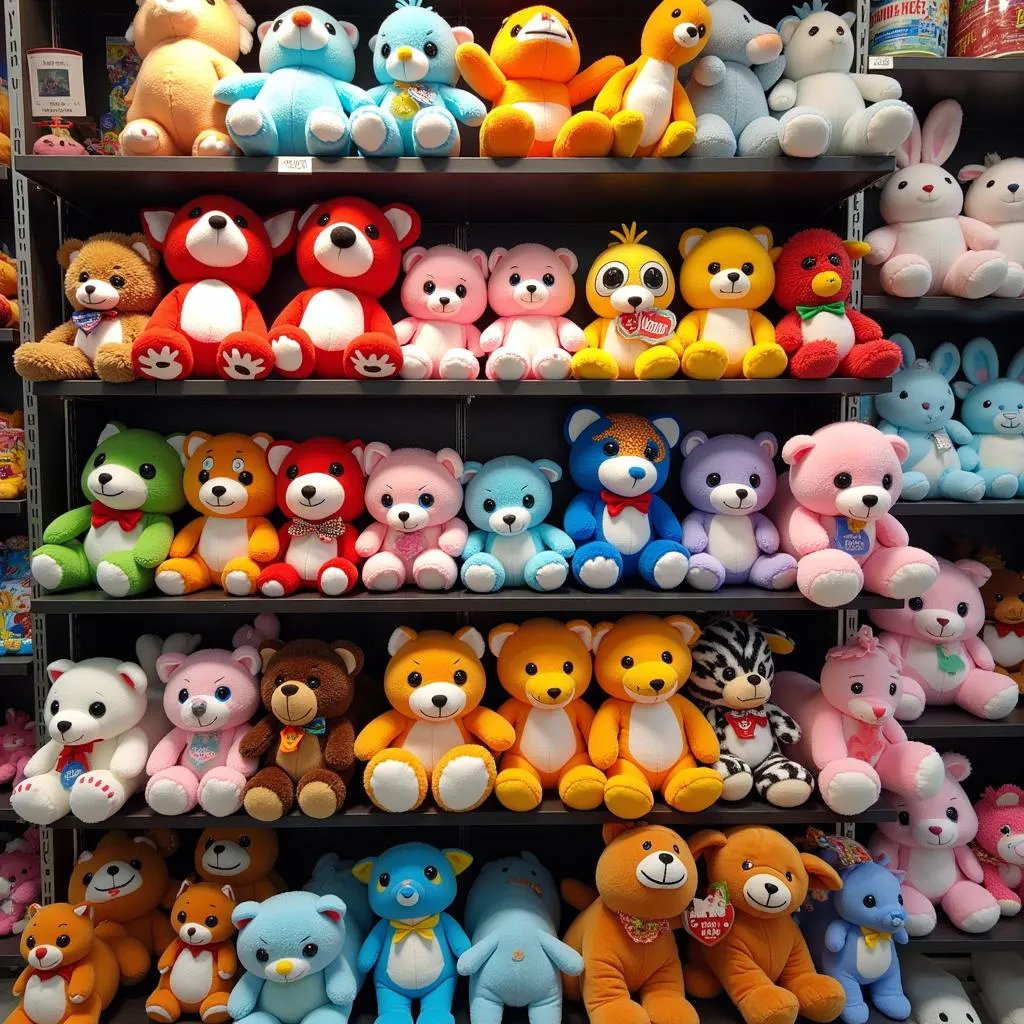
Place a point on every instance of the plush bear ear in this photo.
(611, 830)
(177, 442)
(899, 446)
(552, 470)
(244, 913)
(763, 235)
(267, 651)
(459, 860)
(69, 251)
(470, 470)
(351, 31)
(133, 676)
(687, 628)
(33, 909)
(282, 231)
(568, 257)
(693, 440)
(462, 34)
(856, 249)
(351, 655)
(957, 766)
(1010, 798)
(777, 641)
(399, 638)
(307, 213)
(980, 361)
(787, 28)
(797, 448)
(57, 668)
(471, 637)
(669, 426)
(768, 441)
(820, 874)
(263, 441)
(155, 224)
(689, 239)
(707, 839)
(479, 258)
(601, 630)
(84, 856)
(583, 630)
(228, 892)
(497, 636)
(249, 658)
(356, 447)
(332, 907)
(373, 454)
(363, 870)
(495, 258)
(451, 460)
(83, 910)
(578, 421)
(849, 17)
(168, 664)
(978, 572)
(185, 884)
(194, 441)
(406, 222)
(412, 257)
(277, 453)
(144, 249)
(262, 29)
(112, 429)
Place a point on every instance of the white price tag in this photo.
(294, 165)
(879, 63)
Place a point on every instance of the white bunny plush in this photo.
(819, 52)
(927, 247)
(996, 197)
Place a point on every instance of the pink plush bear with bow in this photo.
(930, 841)
(1000, 845)
(20, 880)
(17, 745)
(849, 731)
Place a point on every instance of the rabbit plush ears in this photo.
(981, 365)
(933, 144)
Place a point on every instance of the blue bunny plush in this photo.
(516, 959)
(620, 461)
(298, 102)
(993, 409)
(292, 947)
(413, 949)
(417, 104)
(507, 500)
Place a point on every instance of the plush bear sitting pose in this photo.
(999, 846)
(244, 858)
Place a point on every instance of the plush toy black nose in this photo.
(771, 888)
(404, 516)
(554, 692)
(665, 858)
(199, 708)
(657, 684)
(113, 870)
(64, 726)
(741, 492)
(308, 491)
(531, 288)
(509, 519)
(1013, 186)
(218, 849)
(343, 236)
(754, 680)
(218, 221)
(634, 300)
(691, 31)
(444, 300)
(439, 701)
(219, 490)
(104, 478)
(89, 289)
(289, 689)
(871, 500)
(191, 929)
(733, 276)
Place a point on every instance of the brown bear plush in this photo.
(112, 283)
(307, 740)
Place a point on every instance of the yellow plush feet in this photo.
(704, 360)
(764, 361)
(179, 576)
(587, 133)
(507, 131)
(211, 142)
(518, 789)
(628, 796)
(239, 576)
(395, 781)
(627, 128)
(678, 138)
(582, 788)
(594, 364)
(693, 789)
(658, 362)
(463, 779)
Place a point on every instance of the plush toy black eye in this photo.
(654, 277)
(808, 263)
(650, 451)
(54, 706)
(789, 876)
(567, 667)
(324, 218)
(147, 471)
(728, 674)
(549, 280)
(97, 709)
(331, 30)
(514, 279)
(414, 679)
(515, 30)
(899, 900)
(387, 500)
(613, 278)
(904, 394)
(336, 469)
(529, 501)
(887, 481)
(460, 677)
(903, 818)
(842, 480)
(747, 268)
(747, 865)
(892, 689)
(372, 232)
(211, 921)
(1005, 830)
(196, 211)
(647, 844)
(430, 49)
(814, 30)
(987, 404)
(313, 682)
(627, 662)
(426, 499)
(836, 260)
(714, 267)
(611, 448)
(430, 872)
(87, 878)
(962, 608)
(902, 185)
(676, 12)
(840, 31)
(746, 18)
(869, 900)
(277, 24)
(461, 290)
(262, 955)
(385, 50)
(30, 941)
(245, 842)
(530, 668)
(100, 459)
(182, 696)
(948, 180)
(182, 916)
(915, 604)
(429, 287)
(713, 479)
(856, 688)
(117, 281)
(245, 478)
(83, 276)
(702, 31)
(241, 221)
(666, 656)
(489, 504)
(204, 475)
(63, 941)
(222, 693)
(754, 479)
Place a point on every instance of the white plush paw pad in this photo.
(220, 797)
(429, 578)
(986, 278)
(555, 366)
(415, 366)
(161, 363)
(432, 130)
(46, 572)
(830, 590)
(287, 353)
(139, 138)
(670, 570)
(157, 1013)
(911, 581)
(240, 365)
(920, 924)
(851, 793)
(386, 580)
(806, 135)
(112, 579)
(96, 795)
(213, 145)
(458, 368)
(888, 128)
(508, 365)
(369, 131)
(328, 125)
(1009, 908)
(394, 786)
(464, 783)
(166, 796)
(911, 282)
(375, 366)
(701, 578)
(1003, 703)
(479, 578)
(244, 118)
(214, 1008)
(788, 793)
(552, 575)
(170, 582)
(785, 579)
(272, 588)
(334, 582)
(599, 573)
(237, 583)
(736, 787)
(910, 707)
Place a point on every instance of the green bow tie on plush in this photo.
(808, 312)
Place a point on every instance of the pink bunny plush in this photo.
(849, 730)
(20, 880)
(209, 697)
(936, 636)
(930, 841)
(1000, 845)
(927, 247)
(17, 745)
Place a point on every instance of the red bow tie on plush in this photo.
(127, 519)
(196, 950)
(617, 504)
(74, 755)
(1006, 628)
(44, 975)
(327, 530)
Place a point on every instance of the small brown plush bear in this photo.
(307, 740)
(112, 282)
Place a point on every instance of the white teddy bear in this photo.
(996, 198)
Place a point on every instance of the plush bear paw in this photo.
(1009, 908)
(735, 787)
(479, 578)
(911, 580)
(507, 365)
(287, 353)
(244, 118)
(160, 364)
(239, 365)
(221, 796)
(850, 793)
(170, 582)
(432, 130)
(551, 576)
(139, 139)
(47, 572)
(394, 786)
(328, 126)
(369, 131)
(212, 143)
(112, 579)
(980, 920)
(788, 792)
(334, 582)
(166, 796)
(272, 588)
(628, 797)
(431, 577)
(96, 795)
(832, 589)
(670, 570)
(463, 783)
(238, 583)
(599, 573)
(263, 804)
(318, 800)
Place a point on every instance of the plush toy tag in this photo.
(941, 441)
(851, 536)
(651, 326)
(70, 772)
(710, 919)
(291, 737)
(422, 95)
(203, 747)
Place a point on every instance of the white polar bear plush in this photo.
(936, 996)
(996, 198)
(819, 52)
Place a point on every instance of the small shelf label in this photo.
(879, 63)
(294, 165)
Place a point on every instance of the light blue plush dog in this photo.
(417, 104)
(507, 500)
(299, 101)
(516, 958)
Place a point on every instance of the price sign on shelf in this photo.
(879, 63)
(294, 165)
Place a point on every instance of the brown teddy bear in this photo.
(307, 740)
(10, 311)
(242, 857)
(112, 283)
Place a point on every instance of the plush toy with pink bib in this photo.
(930, 842)
(832, 512)
(849, 730)
(17, 745)
(936, 636)
(1000, 845)
(444, 293)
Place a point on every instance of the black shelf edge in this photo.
(6, 814)
(13, 507)
(944, 309)
(945, 940)
(15, 664)
(959, 509)
(952, 723)
(956, 65)
(9, 335)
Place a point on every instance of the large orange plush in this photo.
(646, 878)
(243, 858)
(763, 962)
(646, 736)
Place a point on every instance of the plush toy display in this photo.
(186, 50)
(306, 740)
(865, 112)
(516, 958)
(444, 293)
(1003, 632)
(299, 101)
(424, 742)
(10, 309)
(243, 858)
(17, 745)
(728, 480)
(992, 199)
(197, 970)
(319, 487)
(731, 683)
(112, 284)
(332, 875)
(934, 993)
(414, 947)
(629, 288)
(414, 496)
(999, 845)
(930, 842)
(832, 510)
(546, 668)
(20, 880)
(762, 962)
(532, 80)
(850, 733)
(507, 499)
(646, 735)
(348, 253)
(999, 979)
(927, 247)
(645, 878)
(13, 478)
(621, 526)
(727, 274)
(220, 253)
(936, 637)
(416, 108)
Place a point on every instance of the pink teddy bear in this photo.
(531, 289)
(832, 511)
(444, 293)
(1000, 845)
(17, 745)
(209, 698)
(415, 496)
(930, 842)
(849, 731)
(936, 635)
(20, 880)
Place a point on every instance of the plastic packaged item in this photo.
(901, 27)
(987, 28)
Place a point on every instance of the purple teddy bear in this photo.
(728, 479)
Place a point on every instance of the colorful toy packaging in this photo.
(13, 482)
(16, 597)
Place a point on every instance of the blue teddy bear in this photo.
(292, 947)
(508, 499)
(516, 959)
(620, 461)
(299, 101)
(413, 949)
(417, 104)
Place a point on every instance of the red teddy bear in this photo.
(209, 326)
(822, 334)
(320, 486)
(349, 253)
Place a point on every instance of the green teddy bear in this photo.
(133, 482)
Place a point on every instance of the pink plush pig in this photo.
(849, 731)
(20, 880)
(209, 697)
(936, 636)
(444, 293)
(1000, 845)
(832, 511)
(17, 745)
(930, 842)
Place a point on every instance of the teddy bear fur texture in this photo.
(244, 858)
(1003, 632)
(991, 198)
(17, 745)
(20, 880)
(999, 845)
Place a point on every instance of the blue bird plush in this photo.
(299, 101)
(413, 949)
(516, 959)
(417, 104)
